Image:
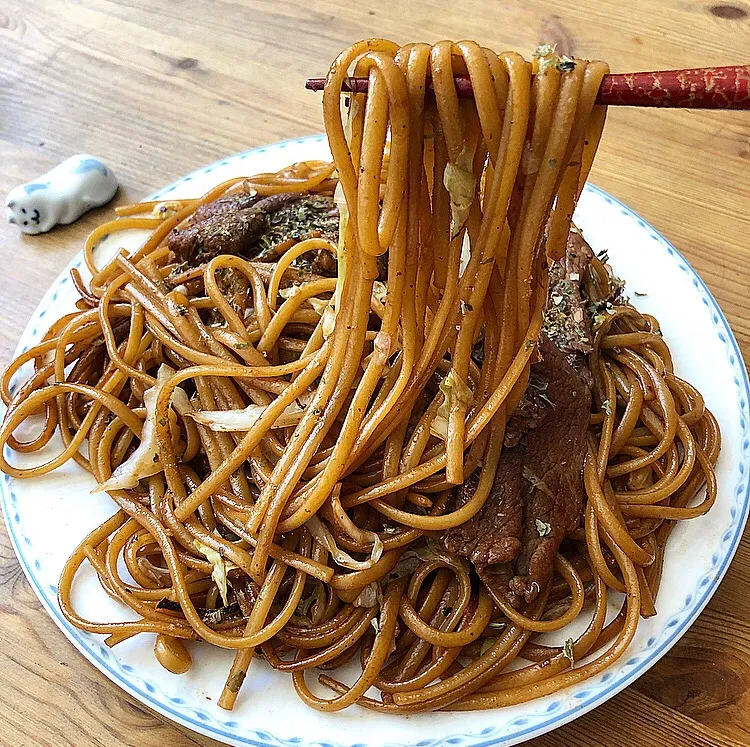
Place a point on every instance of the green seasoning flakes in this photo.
(547, 57)
(544, 50)
(542, 527)
(538, 484)
(312, 215)
(564, 318)
(568, 651)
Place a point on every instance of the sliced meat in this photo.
(231, 225)
(491, 537)
(529, 413)
(553, 454)
(324, 263)
(225, 233)
(225, 227)
(225, 205)
(538, 496)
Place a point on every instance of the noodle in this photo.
(283, 449)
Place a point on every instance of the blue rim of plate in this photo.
(599, 689)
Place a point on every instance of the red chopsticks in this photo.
(700, 88)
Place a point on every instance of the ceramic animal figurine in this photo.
(62, 195)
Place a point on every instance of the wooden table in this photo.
(159, 88)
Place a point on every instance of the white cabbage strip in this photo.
(319, 531)
(144, 461)
(245, 419)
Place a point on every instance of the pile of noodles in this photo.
(284, 461)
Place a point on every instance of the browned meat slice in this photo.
(228, 233)
(324, 264)
(492, 537)
(529, 413)
(224, 228)
(537, 497)
(553, 455)
(252, 226)
(224, 205)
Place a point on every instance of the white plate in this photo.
(48, 516)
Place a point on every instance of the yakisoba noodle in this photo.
(291, 534)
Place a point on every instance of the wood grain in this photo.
(160, 88)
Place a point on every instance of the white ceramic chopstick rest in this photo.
(62, 195)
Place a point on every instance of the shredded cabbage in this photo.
(329, 320)
(465, 254)
(459, 180)
(380, 291)
(290, 291)
(318, 597)
(319, 531)
(453, 388)
(351, 112)
(319, 304)
(381, 349)
(370, 596)
(382, 344)
(220, 568)
(487, 644)
(245, 419)
(407, 564)
(144, 461)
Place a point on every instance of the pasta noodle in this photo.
(285, 459)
